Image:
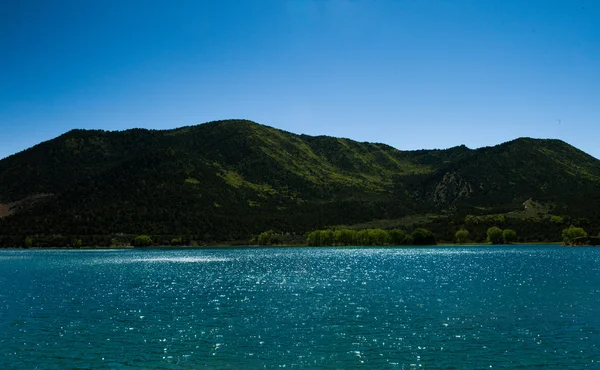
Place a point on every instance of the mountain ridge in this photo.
(186, 127)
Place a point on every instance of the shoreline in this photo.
(281, 246)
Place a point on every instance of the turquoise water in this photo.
(473, 307)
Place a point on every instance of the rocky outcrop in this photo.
(451, 188)
(7, 209)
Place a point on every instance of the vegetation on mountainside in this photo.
(231, 180)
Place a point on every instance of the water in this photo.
(474, 307)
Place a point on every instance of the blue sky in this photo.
(409, 73)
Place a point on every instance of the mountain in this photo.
(228, 180)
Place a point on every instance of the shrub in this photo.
(141, 241)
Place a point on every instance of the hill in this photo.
(229, 180)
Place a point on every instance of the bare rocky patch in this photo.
(7, 209)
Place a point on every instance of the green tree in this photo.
(264, 238)
(471, 220)
(313, 238)
(320, 237)
(338, 237)
(494, 235)
(397, 237)
(362, 238)
(422, 236)
(461, 236)
(141, 241)
(571, 233)
(556, 220)
(509, 236)
(379, 237)
(327, 237)
(499, 219)
(344, 237)
(28, 242)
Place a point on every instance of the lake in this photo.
(436, 307)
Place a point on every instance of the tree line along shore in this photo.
(571, 236)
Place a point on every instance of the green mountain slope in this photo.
(508, 174)
(227, 180)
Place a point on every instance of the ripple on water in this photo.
(305, 307)
(187, 259)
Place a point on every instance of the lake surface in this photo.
(464, 307)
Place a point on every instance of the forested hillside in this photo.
(231, 180)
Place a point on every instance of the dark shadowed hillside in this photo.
(228, 180)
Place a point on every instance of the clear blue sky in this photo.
(409, 73)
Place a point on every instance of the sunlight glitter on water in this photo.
(302, 307)
(187, 259)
